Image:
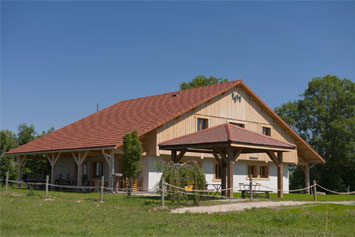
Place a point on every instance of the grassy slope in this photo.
(80, 215)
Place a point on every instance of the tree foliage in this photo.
(9, 141)
(324, 117)
(132, 158)
(182, 175)
(202, 80)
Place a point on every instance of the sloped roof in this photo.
(227, 133)
(107, 127)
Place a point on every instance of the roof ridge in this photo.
(228, 131)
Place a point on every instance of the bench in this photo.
(257, 192)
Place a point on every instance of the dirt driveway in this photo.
(240, 206)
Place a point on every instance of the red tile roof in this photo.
(108, 126)
(226, 133)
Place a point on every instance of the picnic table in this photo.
(216, 189)
(256, 191)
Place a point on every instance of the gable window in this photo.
(242, 125)
(217, 171)
(266, 131)
(202, 124)
(253, 170)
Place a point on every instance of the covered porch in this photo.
(226, 143)
(82, 168)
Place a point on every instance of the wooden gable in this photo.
(236, 106)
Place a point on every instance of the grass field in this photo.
(26, 213)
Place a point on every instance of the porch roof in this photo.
(227, 135)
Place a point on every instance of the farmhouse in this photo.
(226, 128)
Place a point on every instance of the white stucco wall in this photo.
(151, 176)
(240, 174)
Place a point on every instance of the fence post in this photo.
(162, 191)
(7, 180)
(315, 190)
(102, 189)
(251, 186)
(47, 180)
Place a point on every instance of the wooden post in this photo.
(47, 180)
(110, 159)
(162, 191)
(223, 177)
(230, 178)
(53, 161)
(102, 189)
(173, 156)
(251, 185)
(79, 160)
(280, 174)
(306, 178)
(7, 181)
(315, 190)
(19, 171)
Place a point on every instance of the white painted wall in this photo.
(151, 176)
(240, 174)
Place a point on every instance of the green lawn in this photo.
(24, 213)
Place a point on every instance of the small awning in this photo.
(227, 135)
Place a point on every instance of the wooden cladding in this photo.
(221, 110)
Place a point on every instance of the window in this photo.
(202, 124)
(98, 169)
(266, 131)
(253, 170)
(264, 171)
(85, 169)
(258, 171)
(217, 171)
(242, 125)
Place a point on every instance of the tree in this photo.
(132, 158)
(324, 117)
(181, 175)
(201, 80)
(33, 168)
(7, 143)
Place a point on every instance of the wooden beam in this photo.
(230, 173)
(20, 160)
(181, 154)
(173, 155)
(306, 177)
(79, 160)
(236, 153)
(53, 161)
(110, 159)
(223, 166)
(280, 174)
(273, 157)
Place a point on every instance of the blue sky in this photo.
(59, 59)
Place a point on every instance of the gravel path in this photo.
(240, 206)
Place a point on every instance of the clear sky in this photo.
(59, 59)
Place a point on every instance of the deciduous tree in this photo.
(324, 117)
(132, 158)
(202, 80)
